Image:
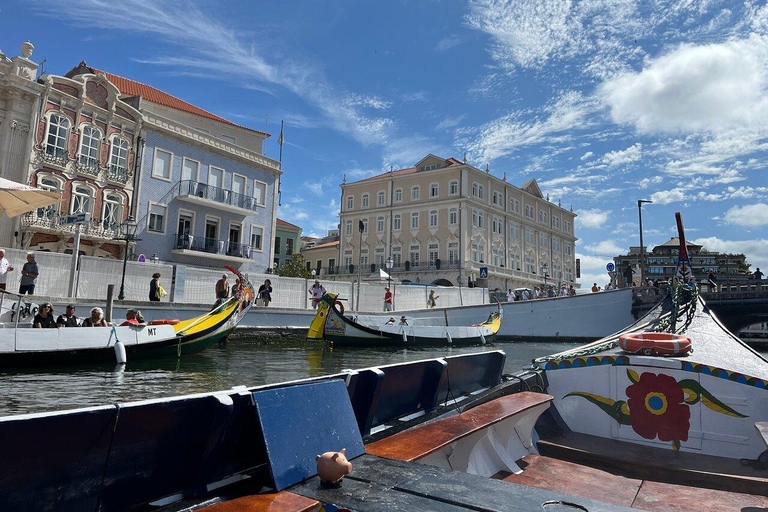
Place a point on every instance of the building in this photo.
(84, 146)
(661, 263)
(205, 193)
(287, 241)
(321, 254)
(19, 106)
(446, 222)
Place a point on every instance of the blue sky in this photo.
(603, 102)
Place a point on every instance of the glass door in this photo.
(184, 232)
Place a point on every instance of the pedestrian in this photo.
(510, 295)
(387, 299)
(96, 319)
(758, 275)
(571, 291)
(5, 267)
(156, 292)
(265, 292)
(628, 273)
(68, 319)
(432, 300)
(133, 317)
(29, 274)
(316, 291)
(222, 287)
(712, 280)
(595, 289)
(44, 317)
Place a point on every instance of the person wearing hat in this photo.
(403, 321)
(44, 317)
(317, 291)
(68, 319)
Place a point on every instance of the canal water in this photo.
(244, 362)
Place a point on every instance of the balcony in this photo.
(215, 197)
(88, 166)
(55, 156)
(202, 247)
(117, 174)
(48, 220)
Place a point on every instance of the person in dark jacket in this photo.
(265, 292)
(44, 317)
(155, 288)
(68, 319)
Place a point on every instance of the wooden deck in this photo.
(283, 501)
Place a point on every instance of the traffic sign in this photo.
(141, 258)
(610, 267)
(483, 272)
(78, 218)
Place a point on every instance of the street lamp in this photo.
(544, 270)
(388, 264)
(129, 235)
(642, 248)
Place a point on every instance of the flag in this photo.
(281, 138)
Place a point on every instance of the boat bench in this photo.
(502, 429)
(282, 501)
(762, 429)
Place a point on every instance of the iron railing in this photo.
(212, 245)
(216, 194)
(49, 218)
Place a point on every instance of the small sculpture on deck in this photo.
(332, 467)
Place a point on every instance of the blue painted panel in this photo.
(468, 373)
(408, 388)
(300, 422)
(54, 462)
(363, 391)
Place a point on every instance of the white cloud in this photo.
(647, 182)
(450, 122)
(447, 43)
(750, 215)
(756, 251)
(623, 157)
(593, 218)
(606, 248)
(586, 155)
(675, 195)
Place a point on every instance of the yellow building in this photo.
(446, 222)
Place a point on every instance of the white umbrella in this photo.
(16, 198)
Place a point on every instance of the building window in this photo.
(156, 218)
(113, 211)
(347, 258)
(453, 187)
(414, 255)
(475, 188)
(514, 231)
(453, 216)
(514, 205)
(399, 195)
(397, 223)
(415, 193)
(529, 211)
(161, 168)
(331, 265)
(433, 190)
(415, 220)
(380, 224)
(350, 203)
(555, 222)
(529, 236)
(543, 241)
(365, 226)
(498, 225)
(433, 219)
(542, 216)
(566, 226)
(379, 257)
(397, 256)
(363, 258)
(51, 185)
(453, 253)
(260, 192)
(81, 200)
(56, 142)
(498, 199)
(89, 146)
(530, 265)
(514, 261)
(257, 234)
(348, 229)
(118, 161)
(289, 246)
(364, 202)
(478, 251)
(497, 256)
(555, 244)
(278, 241)
(432, 254)
(567, 249)
(381, 198)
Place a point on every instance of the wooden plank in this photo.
(282, 501)
(661, 497)
(421, 441)
(762, 428)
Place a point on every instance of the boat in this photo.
(332, 326)
(21, 344)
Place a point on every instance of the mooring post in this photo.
(110, 302)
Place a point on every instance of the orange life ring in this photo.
(339, 306)
(655, 343)
(164, 321)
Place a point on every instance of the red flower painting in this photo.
(657, 408)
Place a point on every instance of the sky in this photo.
(603, 102)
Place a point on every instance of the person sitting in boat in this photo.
(403, 321)
(68, 319)
(44, 317)
(133, 317)
(391, 321)
(96, 319)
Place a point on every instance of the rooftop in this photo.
(286, 225)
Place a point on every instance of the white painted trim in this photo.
(92, 188)
(263, 204)
(245, 183)
(222, 185)
(192, 213)
(197, 174)
(170, 165)
(165, 218)
(253, 228)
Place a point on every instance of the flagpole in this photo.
(280, 141)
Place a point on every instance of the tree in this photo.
(297, 267)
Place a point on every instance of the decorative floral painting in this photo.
(658, 406)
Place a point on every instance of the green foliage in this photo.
(297, 267)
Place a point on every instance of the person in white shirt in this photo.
(5, 267)
(510, 296)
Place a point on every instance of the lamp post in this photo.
(129, 235)
(361, 228)
(544, 270)
(388, 264)
(642, 248)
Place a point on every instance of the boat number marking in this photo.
(151, 331)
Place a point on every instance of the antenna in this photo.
(465, 157)
(266, 123)
(42, 66)
(487, 168)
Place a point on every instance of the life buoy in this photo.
(340, 307)
(655, 343)
(164, 321)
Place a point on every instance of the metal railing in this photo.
(88, 165)
(49, 218)
(118, 174)
(54, 155)
(216, 194)
(212, 246)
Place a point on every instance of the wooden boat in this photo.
(21, 344)
(331, 325)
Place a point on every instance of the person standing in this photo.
(510, 295)
(44, 317)
(628, 273)
(155, 290)
(29, 274)
(387, 299)
(265, 292)
(432, 300)
(222, 287)
(68, 319)
(316, 291)
(5, 267)
(757, 274)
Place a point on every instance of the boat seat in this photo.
(499, 432)
(762, 428)
(282, 501)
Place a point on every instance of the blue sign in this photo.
(483, 272)
(141, 258)
(610, 267)
(78, 218)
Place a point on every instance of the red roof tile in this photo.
(409, 170)
(282, 224)
(329, 244)
(133, 88)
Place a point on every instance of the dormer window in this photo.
(429, 167)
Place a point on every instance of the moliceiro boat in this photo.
(331, 325)
(21, 344)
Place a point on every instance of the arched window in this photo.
(118, 161)
(51, 185)
(113, 211)
(56, 142)
(82, 199)
(89, 146)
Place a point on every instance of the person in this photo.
(712, 279)
(133, 317)
(391, 321)
(68, 319)
(5, 267)
(628, 273)
(432, 300)
(265, 292)
(571, 291)
(29, 274)
(595, 289)
(96, 319)
(758, 275)
(387, 299)
(237, 288)
(156, 291)
(563, 291)
(44, 317)
(510, 295)
(316, 291)
(403, 321)
(222, 287)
